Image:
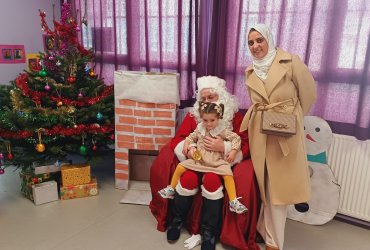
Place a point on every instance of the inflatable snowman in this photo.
(324, 201)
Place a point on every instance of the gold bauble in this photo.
(40, 147)
(197, 155)
(70, 109)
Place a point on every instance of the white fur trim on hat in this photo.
(207, 82)
(216, 195)
(185, 192)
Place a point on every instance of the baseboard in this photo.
(352, 221)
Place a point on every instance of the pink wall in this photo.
(20, 25)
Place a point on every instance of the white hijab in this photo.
(262, 66)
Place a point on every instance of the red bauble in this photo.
(94, 147)
(10, 156)
(35, 180)
(112, 136)
(71, 79)
(2, 171)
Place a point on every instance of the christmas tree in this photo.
(58, 106)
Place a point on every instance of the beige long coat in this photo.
(290, 82)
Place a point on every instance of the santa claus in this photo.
(206, 212)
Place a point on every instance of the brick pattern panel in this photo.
(141, 126)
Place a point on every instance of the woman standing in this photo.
(280, 82)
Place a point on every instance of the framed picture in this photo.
(49, 42)
(18, 54)
(33, 62)
(6, 54)
(11, 54)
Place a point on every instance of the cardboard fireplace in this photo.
(145, 118)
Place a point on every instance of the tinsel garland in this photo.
(22, 84)
(44, 24)
(85, 101)
(58, 130)
(49, 114)
(66, 31)
(65, 12)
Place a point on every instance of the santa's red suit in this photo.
(238, 231)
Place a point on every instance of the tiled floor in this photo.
(101, 222)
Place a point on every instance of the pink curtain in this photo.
(196, 38)
(142, 35)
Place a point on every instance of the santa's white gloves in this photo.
(193, 241)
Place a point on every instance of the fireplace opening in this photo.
(140, 162)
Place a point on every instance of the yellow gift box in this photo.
(75, 174)
(79, 191)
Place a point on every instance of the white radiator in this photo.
(349, 160)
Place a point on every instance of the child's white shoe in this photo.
(167, 192)
(237, 207)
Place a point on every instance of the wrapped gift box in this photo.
(56, 167)
(75, 174)
(45, 192)
(79, 191)
(29, 178)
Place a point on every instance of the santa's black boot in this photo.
(210, 223)
(180, 208)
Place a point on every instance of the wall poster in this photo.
(11, 54)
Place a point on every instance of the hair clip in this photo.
(219, 110)
(203, 105)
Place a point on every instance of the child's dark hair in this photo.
(211, 108)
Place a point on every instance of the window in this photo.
(355, 35)
(158, 28)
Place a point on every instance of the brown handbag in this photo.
(280, 124)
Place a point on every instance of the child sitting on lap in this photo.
(209, 161)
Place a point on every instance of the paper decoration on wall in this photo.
(50, 43)
(324, 201)
(12, 54)
(33, 61)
